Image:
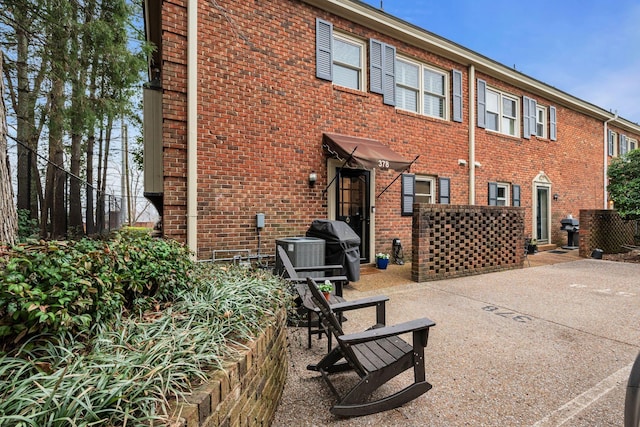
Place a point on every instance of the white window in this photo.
(633, 144)
(348, 60)
(503, 194)
(613, 138)
(502, 113)
(408, 85)
(425, 186)
(541, 122)
(421, 89)
(623, 145)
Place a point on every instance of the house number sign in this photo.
(383, 164)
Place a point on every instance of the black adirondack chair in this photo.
(336, 300)
(377, 355)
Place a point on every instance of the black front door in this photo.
(353, 205)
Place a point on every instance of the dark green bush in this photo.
(128, 372)
(27, 226)
(68, 286)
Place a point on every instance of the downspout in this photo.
(192, 126)
(472, 136)
(606, 158)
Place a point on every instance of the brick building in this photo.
(256, 107)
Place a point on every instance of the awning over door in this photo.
(368, 154)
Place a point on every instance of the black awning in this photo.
(368, 154)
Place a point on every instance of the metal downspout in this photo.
(192, 126)
(606, 158)
(472, 136)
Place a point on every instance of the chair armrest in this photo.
(359, 303)
(387, 331)
(318, 268)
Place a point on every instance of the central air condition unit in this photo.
(303, 252)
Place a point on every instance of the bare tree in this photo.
(8, 212)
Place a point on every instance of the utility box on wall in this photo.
(303, 252)
(152, 135)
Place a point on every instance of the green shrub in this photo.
(129, 371)
(27, 226)
(149, 267)
(67, 286)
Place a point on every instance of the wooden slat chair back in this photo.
(336, 300)
(300, 284)
(293, 273)
(376, 355)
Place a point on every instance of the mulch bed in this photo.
(631, 256)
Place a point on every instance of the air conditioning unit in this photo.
(303, 252)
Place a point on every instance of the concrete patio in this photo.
(547, 345)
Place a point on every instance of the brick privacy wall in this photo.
(604, 229)
(248, 390)
(262, 113)
(453, 241)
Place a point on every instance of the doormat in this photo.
(558, 251)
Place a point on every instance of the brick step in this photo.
(547, 247)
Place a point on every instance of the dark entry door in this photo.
(353, 205)
(542, 214)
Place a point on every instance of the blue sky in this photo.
(587, 48)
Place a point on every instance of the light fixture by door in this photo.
(555, 196)
(313, 177)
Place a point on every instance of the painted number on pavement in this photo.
(521, 318)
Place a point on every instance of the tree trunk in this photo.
(8, 212)
(56, 176)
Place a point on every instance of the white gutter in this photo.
(472, 136)
(606, 158)
(192, 126)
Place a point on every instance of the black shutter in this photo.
(444, 191)
(376, 55)
(493, 194)
(482, 103)
(408, 193)
(553, 133)
(457, 95)
(324, 53)
(526, 124)
(389, 75)
(515, 195)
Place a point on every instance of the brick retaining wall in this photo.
(248, 391)
(451, 241)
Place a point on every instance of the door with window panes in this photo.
(353, 205)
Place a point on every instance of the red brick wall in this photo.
(605, 230)
(455, 241)
(262, 113)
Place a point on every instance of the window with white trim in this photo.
(613, 146)
(502, 197)
(348, 61)
(425, 186)
(633, 144)
(541, 122)
(504, 194)
(622, 150)
(421, 89)
(502, 112)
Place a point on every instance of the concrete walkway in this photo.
(550, 345)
